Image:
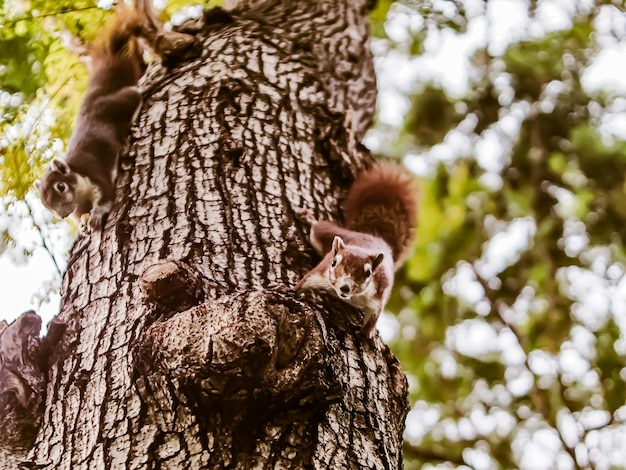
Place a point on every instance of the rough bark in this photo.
(179, 350)
(24, 360)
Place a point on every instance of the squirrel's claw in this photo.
(97, 218)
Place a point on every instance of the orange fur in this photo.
(383, 202)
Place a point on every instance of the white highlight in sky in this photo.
(608, 68)
(23, 279)
(507, 23)
(540, 452)
(20, 284)
(505, 246)
(607, 71)
(473, 338)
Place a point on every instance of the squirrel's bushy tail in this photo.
(383, 202)
(118, 45)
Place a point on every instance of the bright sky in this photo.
(19, 286)
(22, 278)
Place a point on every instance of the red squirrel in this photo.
(360, 260)
(84, 183)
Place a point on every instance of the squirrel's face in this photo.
(351, 271)
(57, 188)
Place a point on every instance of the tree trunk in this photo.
(179, 350)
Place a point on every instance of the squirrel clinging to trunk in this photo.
(360, 260)
(84, 182)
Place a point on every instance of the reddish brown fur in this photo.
(360, 259)
(383, 201)
(116, 58)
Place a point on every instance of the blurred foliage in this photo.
(431, 116)
(511, 314)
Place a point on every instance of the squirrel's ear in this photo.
(338, 245)
(37, 185)
(60, 166)
(377, 260)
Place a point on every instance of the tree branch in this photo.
(44, 242)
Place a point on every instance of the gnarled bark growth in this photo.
(24, 361)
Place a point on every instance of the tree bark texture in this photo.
(180, 351)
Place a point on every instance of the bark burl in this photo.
(179, 351)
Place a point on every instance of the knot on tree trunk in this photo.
(23, 365)
(257, 350)
(175, 47)
(172, 286)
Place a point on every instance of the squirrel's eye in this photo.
(368, 273)
(334, 263)
(61, 187)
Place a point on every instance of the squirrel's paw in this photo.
(83, 221)
(97, 218)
